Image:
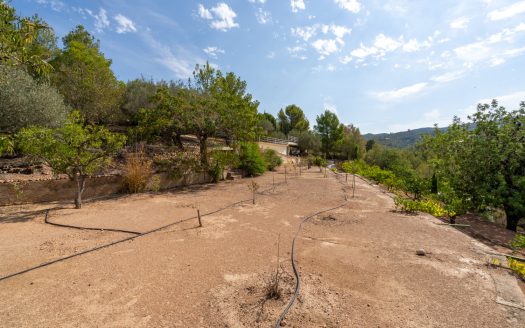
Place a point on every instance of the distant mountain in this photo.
(400, 139)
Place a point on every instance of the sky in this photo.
(382, 65)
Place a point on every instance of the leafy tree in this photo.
(83, 75)
(272, 159)
(352, 146)
(308, 142)
(265, 125)
(270, 119)
(296, 118)
(28, 43)
(138, 95)
(484, 165)
(370, 144)
(76, 149)
(330, 130)
(26, 102)
(283, 123)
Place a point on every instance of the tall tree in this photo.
(283, 123)
(330, 130)
(138, 95)
(83, 75)
(296, 118)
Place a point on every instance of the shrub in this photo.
(428, 206)
(136, 172)
(519, 241)
(251, 159)
(517, 266)
(26, 102)
(221, 159)
(178, 164)
(319, 162)
(272, 159)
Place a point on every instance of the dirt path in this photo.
(358, 264)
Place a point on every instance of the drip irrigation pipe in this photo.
(46, 220)
(118, 241)
(294, 267)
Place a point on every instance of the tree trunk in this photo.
(203, 150)
(81, 184)
(178, 141)
(512, 221)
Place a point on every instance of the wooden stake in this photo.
(199, 217)
(353, 186)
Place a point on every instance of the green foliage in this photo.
(178, 164)
(251, 159)
(519, 241)
(83, 76)
(308, 142)
(330, 131)
(483, 161)
(27, 43)
(76, 149)
(7, 145)
(272, 159)
(220, 160)
(517, 266)
(319, 161)
(137, 96)
(26, 102)
(428, 206)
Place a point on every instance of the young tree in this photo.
(83, 76)
(77, 149)
(26, 102)
(330, 130)
(283, 123)
(138, 95)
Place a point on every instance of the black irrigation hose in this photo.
(118, 241)
(46, 220)
(295, 271)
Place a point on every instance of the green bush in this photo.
(251, 159)
(519, 241)
(272, 159)
(26, 102)
(319, 162)
(428, 206)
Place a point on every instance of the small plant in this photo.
(136, 171)
(253, 186)
(272, 159)
(518, 242)
(155, 183)
(319, 162)
(517, 266)
(411, 206)
(272, 290)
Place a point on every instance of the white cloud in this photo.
(510, 101)
(124, 24)
(56, 5)
(345, 59)
(254, 1)
(263, 16)
(305, 32)
(222, 16)
(492, 49)
(460, 23)
(180, 64)
(204, 13)
(297, 52)
(325, 47)
(350, 5)
(297, 5)
(213, 51)
(414, 45)
(508, 11)
(448, 77)
(340, 31)
(101, 19)
(397, 94)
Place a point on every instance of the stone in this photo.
(421, 252)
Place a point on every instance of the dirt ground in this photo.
(358, 263)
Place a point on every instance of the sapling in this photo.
(253, 186)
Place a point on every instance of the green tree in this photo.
(138, 95)
(83, 76)
(26, 102)
(483, 161)
(330, 131)
(308, 142)
(296, 118)
(76, 149)
(283, 123)
(28, 43)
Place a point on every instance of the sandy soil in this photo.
(358, 264)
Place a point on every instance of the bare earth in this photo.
(358, 264)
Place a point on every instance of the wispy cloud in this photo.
(55, 5)
(350, 5)
(213, 51)
(397, 94)
(222, 16)
(297, 5)
(263, 16)
(508, 11)
(459, 23)
(448, 77)
(124, 24)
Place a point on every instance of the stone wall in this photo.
(65, 190)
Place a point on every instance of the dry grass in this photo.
(137, 171)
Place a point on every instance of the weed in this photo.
(136, 171)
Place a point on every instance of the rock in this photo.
(283, 323)
(421, 252)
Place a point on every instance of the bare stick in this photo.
(285, 173)
(346, 177)
(199, 217)
(353, 187)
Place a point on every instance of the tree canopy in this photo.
(330, 130)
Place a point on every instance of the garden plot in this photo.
(357, 263)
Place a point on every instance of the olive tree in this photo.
(77, 149)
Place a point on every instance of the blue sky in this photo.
(382, 65)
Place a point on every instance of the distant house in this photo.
(282, 146)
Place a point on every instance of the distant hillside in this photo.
(400, 139)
